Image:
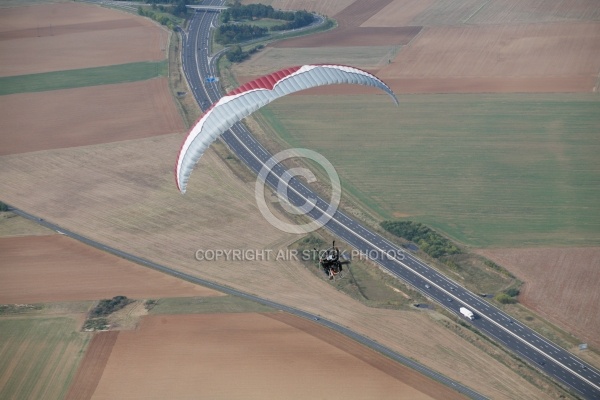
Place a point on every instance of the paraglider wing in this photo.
(253, 95)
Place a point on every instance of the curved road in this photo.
(543, 354)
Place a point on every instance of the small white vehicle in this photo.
(467, 313)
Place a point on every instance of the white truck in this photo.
(467, 313)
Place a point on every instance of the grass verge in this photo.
(360, 279)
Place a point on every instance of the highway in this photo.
(543, 354)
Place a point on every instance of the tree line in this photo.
(238, 12)
(236, 33)
(232, 31)
(108, 306)
(431, 242)
(300, 20)
(166, 15)
(236, 54)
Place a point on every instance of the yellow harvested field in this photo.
(553, 57)
(273, 58)
(561, 284)
(535, 11)
(39, 269)
(123, 194)
(13, 225)
(398, 13)
(96, 114)
(251, 356)
(62, 36)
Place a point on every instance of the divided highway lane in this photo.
(542, 353)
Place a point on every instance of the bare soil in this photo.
(62, 36)
(398, 371)
(128, 317)
(38, 269)
(268, 357)
(90, 370)
(350, 33)
(561, 284)
(88, 115)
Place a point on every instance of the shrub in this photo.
(428, 240)
(108, 306)
(505, 299)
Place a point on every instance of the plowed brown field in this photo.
(37, 269)
(62, 36)
(561, 284)
(349, 32)
(88, 115)
(250, 356)
(398, 371)
(90, 370)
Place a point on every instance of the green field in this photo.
(39, 356)
(122, 73)
(202, 305)
(264, 22)
(488, 170)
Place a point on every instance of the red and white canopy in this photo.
(253, 95)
